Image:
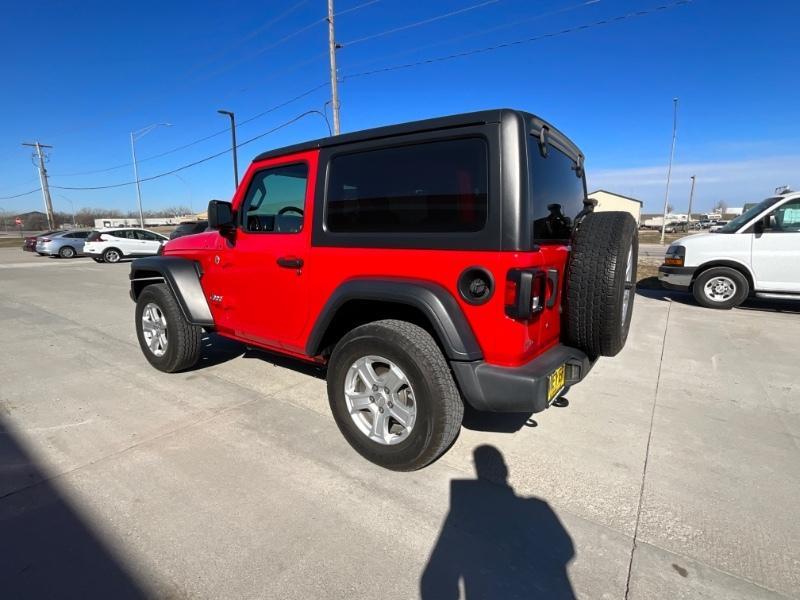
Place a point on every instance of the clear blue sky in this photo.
(81, 76)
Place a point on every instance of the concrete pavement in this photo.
(672, 473)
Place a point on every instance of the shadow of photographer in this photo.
(495, 544)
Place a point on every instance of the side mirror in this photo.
(220, 216)
(758, 227)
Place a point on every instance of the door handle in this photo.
(290, 262)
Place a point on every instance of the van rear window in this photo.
(434, 187)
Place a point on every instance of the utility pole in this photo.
(691, 196)
(332, 47)
(669, 171)
(48, 204)
(233, 148)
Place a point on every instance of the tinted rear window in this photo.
(421, 188)
(557, 192)
(93, 237)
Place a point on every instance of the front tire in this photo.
(169, 342)
(392, 395)
(720, 287)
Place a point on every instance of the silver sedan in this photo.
(66, 244)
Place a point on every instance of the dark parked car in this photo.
(189, 228)
(29, 243)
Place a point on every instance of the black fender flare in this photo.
(435, 302)
(182, 276)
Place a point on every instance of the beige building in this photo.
(609, 201)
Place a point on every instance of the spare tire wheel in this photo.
(601, 283)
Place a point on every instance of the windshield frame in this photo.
(742, 221)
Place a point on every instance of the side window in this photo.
(275, 200)
(145, 235)
(82, 234)
(70, 235)
(785, 219)
(435, 187)
(119, 233)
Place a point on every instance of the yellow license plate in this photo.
(556, 383)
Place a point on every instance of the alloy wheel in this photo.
(154, 329)
(380, 400)
(629, 285)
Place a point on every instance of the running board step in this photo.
(778, 296)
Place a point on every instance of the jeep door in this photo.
(264, 270)
(776, 249)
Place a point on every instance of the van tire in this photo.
(601, 283)
(729, 281)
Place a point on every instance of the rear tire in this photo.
(181, 347)
(67, 252)
(721, 288)
(422, 375)
(112, 255)
(601, 283)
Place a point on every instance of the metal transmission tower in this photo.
(48, 204)
(332, 47)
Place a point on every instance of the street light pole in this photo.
(136, 177)
(691, 197)
(233, 148)
(134, 134)
(669, 170)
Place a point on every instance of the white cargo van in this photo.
(757, 253)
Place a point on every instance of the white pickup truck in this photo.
(757, 253)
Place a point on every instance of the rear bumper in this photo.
(677, 278)
(518, 389)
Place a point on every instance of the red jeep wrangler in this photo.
(427, 265)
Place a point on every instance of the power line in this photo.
(192, 164)
(288, 37)
(202, 139)
(436, 59)
(20, 195)
(419, 23)
(232, 64)
(480, 32)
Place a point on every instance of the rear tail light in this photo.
(524, 293)
(45, 240)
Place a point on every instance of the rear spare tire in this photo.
(601, 283)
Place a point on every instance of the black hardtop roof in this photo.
(483, 117)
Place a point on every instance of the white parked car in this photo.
(757, 253)
(111, 244)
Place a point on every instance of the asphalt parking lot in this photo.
(673, 471)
